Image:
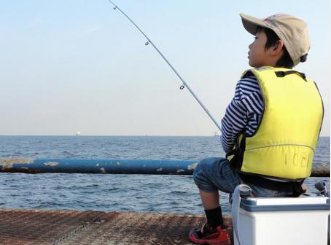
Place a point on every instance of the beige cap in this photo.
(291, 30)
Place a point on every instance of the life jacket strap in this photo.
(285, 73)
(293, 187)
(238, 153)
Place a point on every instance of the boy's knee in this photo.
(203, 165)
(199, 166)
(207, 162)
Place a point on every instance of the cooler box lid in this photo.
(261, 204)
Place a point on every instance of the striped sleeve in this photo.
(244, 113)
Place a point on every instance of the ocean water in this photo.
(113, 192)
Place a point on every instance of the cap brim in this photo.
(251, 23)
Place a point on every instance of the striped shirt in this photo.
(244, 113)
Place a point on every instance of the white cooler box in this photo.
(284, 221)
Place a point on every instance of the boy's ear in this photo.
(278, 47)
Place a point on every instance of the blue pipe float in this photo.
(113, 166)
(98, 166)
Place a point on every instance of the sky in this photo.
(78, 65)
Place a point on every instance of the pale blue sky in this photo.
(79, 65)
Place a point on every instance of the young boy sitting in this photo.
(271, 127)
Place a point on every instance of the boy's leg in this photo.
(212, 175)
(210, 200)
(213, 211)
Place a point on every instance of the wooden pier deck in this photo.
(34, 227)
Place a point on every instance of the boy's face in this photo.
(258, 56)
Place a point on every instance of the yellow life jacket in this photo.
(284, 145)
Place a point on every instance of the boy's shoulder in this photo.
(248, 83)
(248, 74)
(247, 77)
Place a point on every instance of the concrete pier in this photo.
(36, 227)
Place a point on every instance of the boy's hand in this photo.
(304, 188)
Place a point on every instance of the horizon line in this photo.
(115, 135)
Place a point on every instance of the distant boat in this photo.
(78, 133)
(217, 134)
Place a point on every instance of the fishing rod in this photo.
(179, 76)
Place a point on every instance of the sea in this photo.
(116, 192)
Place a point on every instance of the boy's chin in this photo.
(253, 65)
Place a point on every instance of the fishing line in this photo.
(185, 85)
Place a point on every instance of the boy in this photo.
(271, 127)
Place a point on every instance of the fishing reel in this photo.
(321, 187)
